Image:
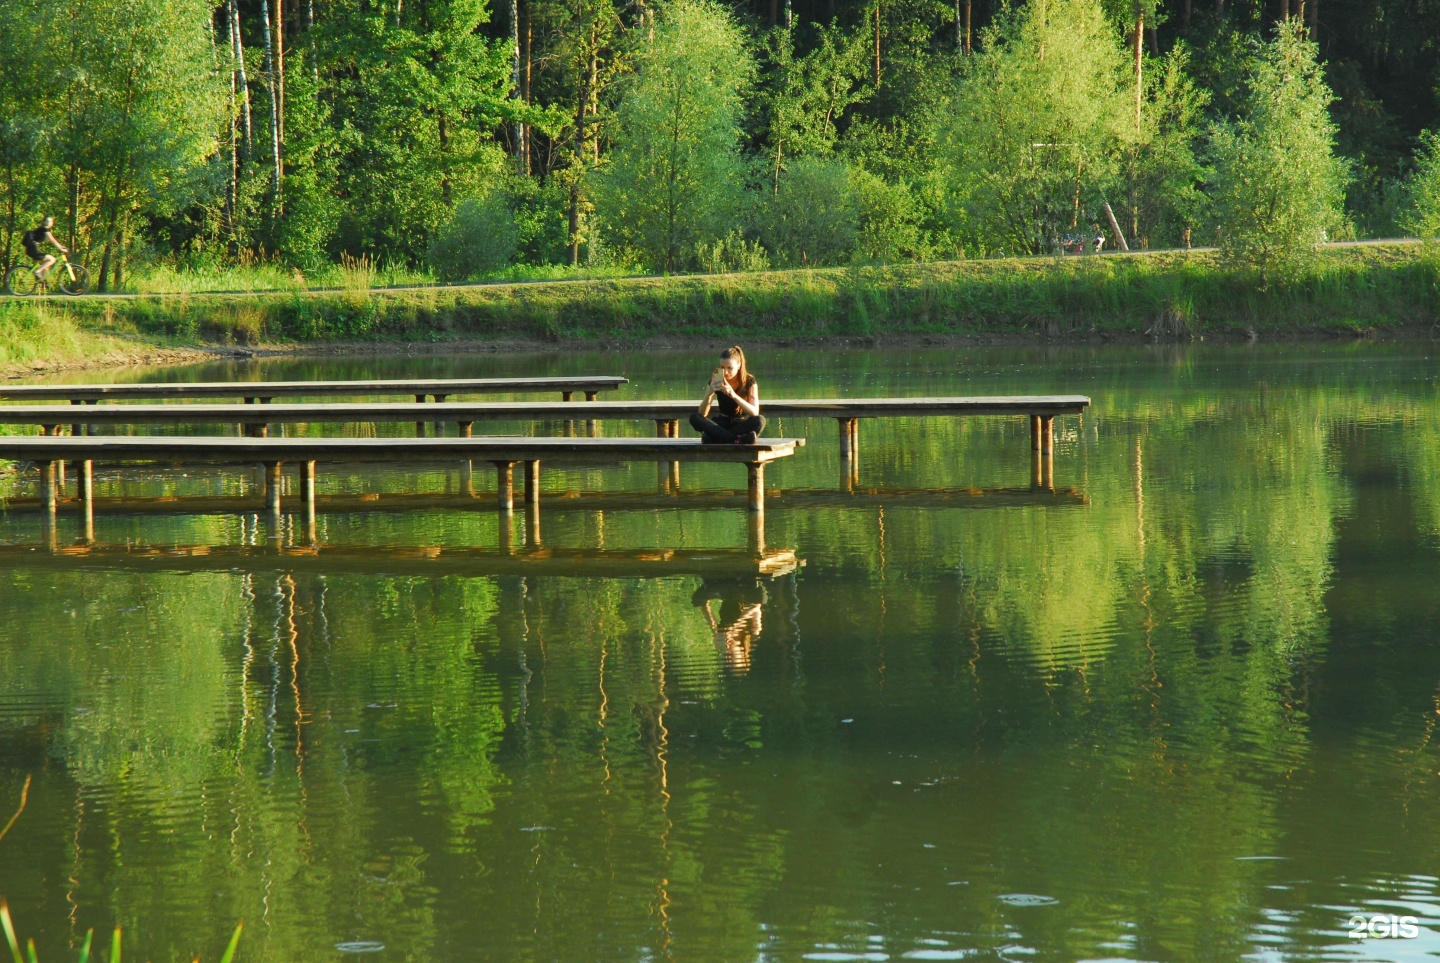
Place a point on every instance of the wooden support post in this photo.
(85, 482)
(756, 501)
(591, 395)
(662, 428)
(854, 440)
(272, 487)
(1034, 432)
(467, 477)
(466, 429)
(507, 533)
(755, 533)
(1047, 435)
(49, 497)
(566, 395)
(307, 498)
(845, 437)
(86, 485)
(1042, 471)
(532, 482)
(49, 531)
(532, 525)
(505, 486)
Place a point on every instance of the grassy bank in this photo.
(1169, 296)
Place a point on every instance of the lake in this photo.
(1182, 705)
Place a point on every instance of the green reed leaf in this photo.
(9, 928)
(234, 942)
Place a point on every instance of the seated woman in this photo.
(734, 396)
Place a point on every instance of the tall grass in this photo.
(1170, 296)
(43, 331)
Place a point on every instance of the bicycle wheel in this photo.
(73, 284)
(21, 281)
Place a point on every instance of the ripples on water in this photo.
(1183, 708)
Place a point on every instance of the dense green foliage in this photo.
(1278, 184)
(170, 135)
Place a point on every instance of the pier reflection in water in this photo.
(1182, 707)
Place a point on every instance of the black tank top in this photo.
(729, 407)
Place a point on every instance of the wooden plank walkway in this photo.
(667, 415)
(263, 391)
(504, 451)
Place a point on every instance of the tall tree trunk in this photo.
(1185, 13)
(72, 214)
(529, 164)
(279, 79)
(443, 132)
(1139, 62)
(789, 16)
(1312, 18)
(310, 34)
(1284, 12)
(573, 248)
(774, 12)
(959, 34)
(969, 34)
(518, 128)
(238, 52)
(877, 43)
(274, 114)
(232, 178)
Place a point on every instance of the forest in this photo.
(453, 141)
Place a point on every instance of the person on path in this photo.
(733, 396)
(32, 240)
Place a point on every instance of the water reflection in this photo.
(738, 624)
(1183, 707)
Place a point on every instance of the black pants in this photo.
(724, 431)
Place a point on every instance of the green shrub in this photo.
(479, 238)
(811, 218)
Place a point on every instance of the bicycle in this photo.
(22, 282)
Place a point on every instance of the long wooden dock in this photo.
(263, 391)
(667, 415)
(504, 451)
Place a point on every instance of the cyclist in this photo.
(32, 240)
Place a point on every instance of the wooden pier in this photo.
(505, 452)
(263, 391)
(668, 416)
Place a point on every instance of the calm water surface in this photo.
(1183, 707)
